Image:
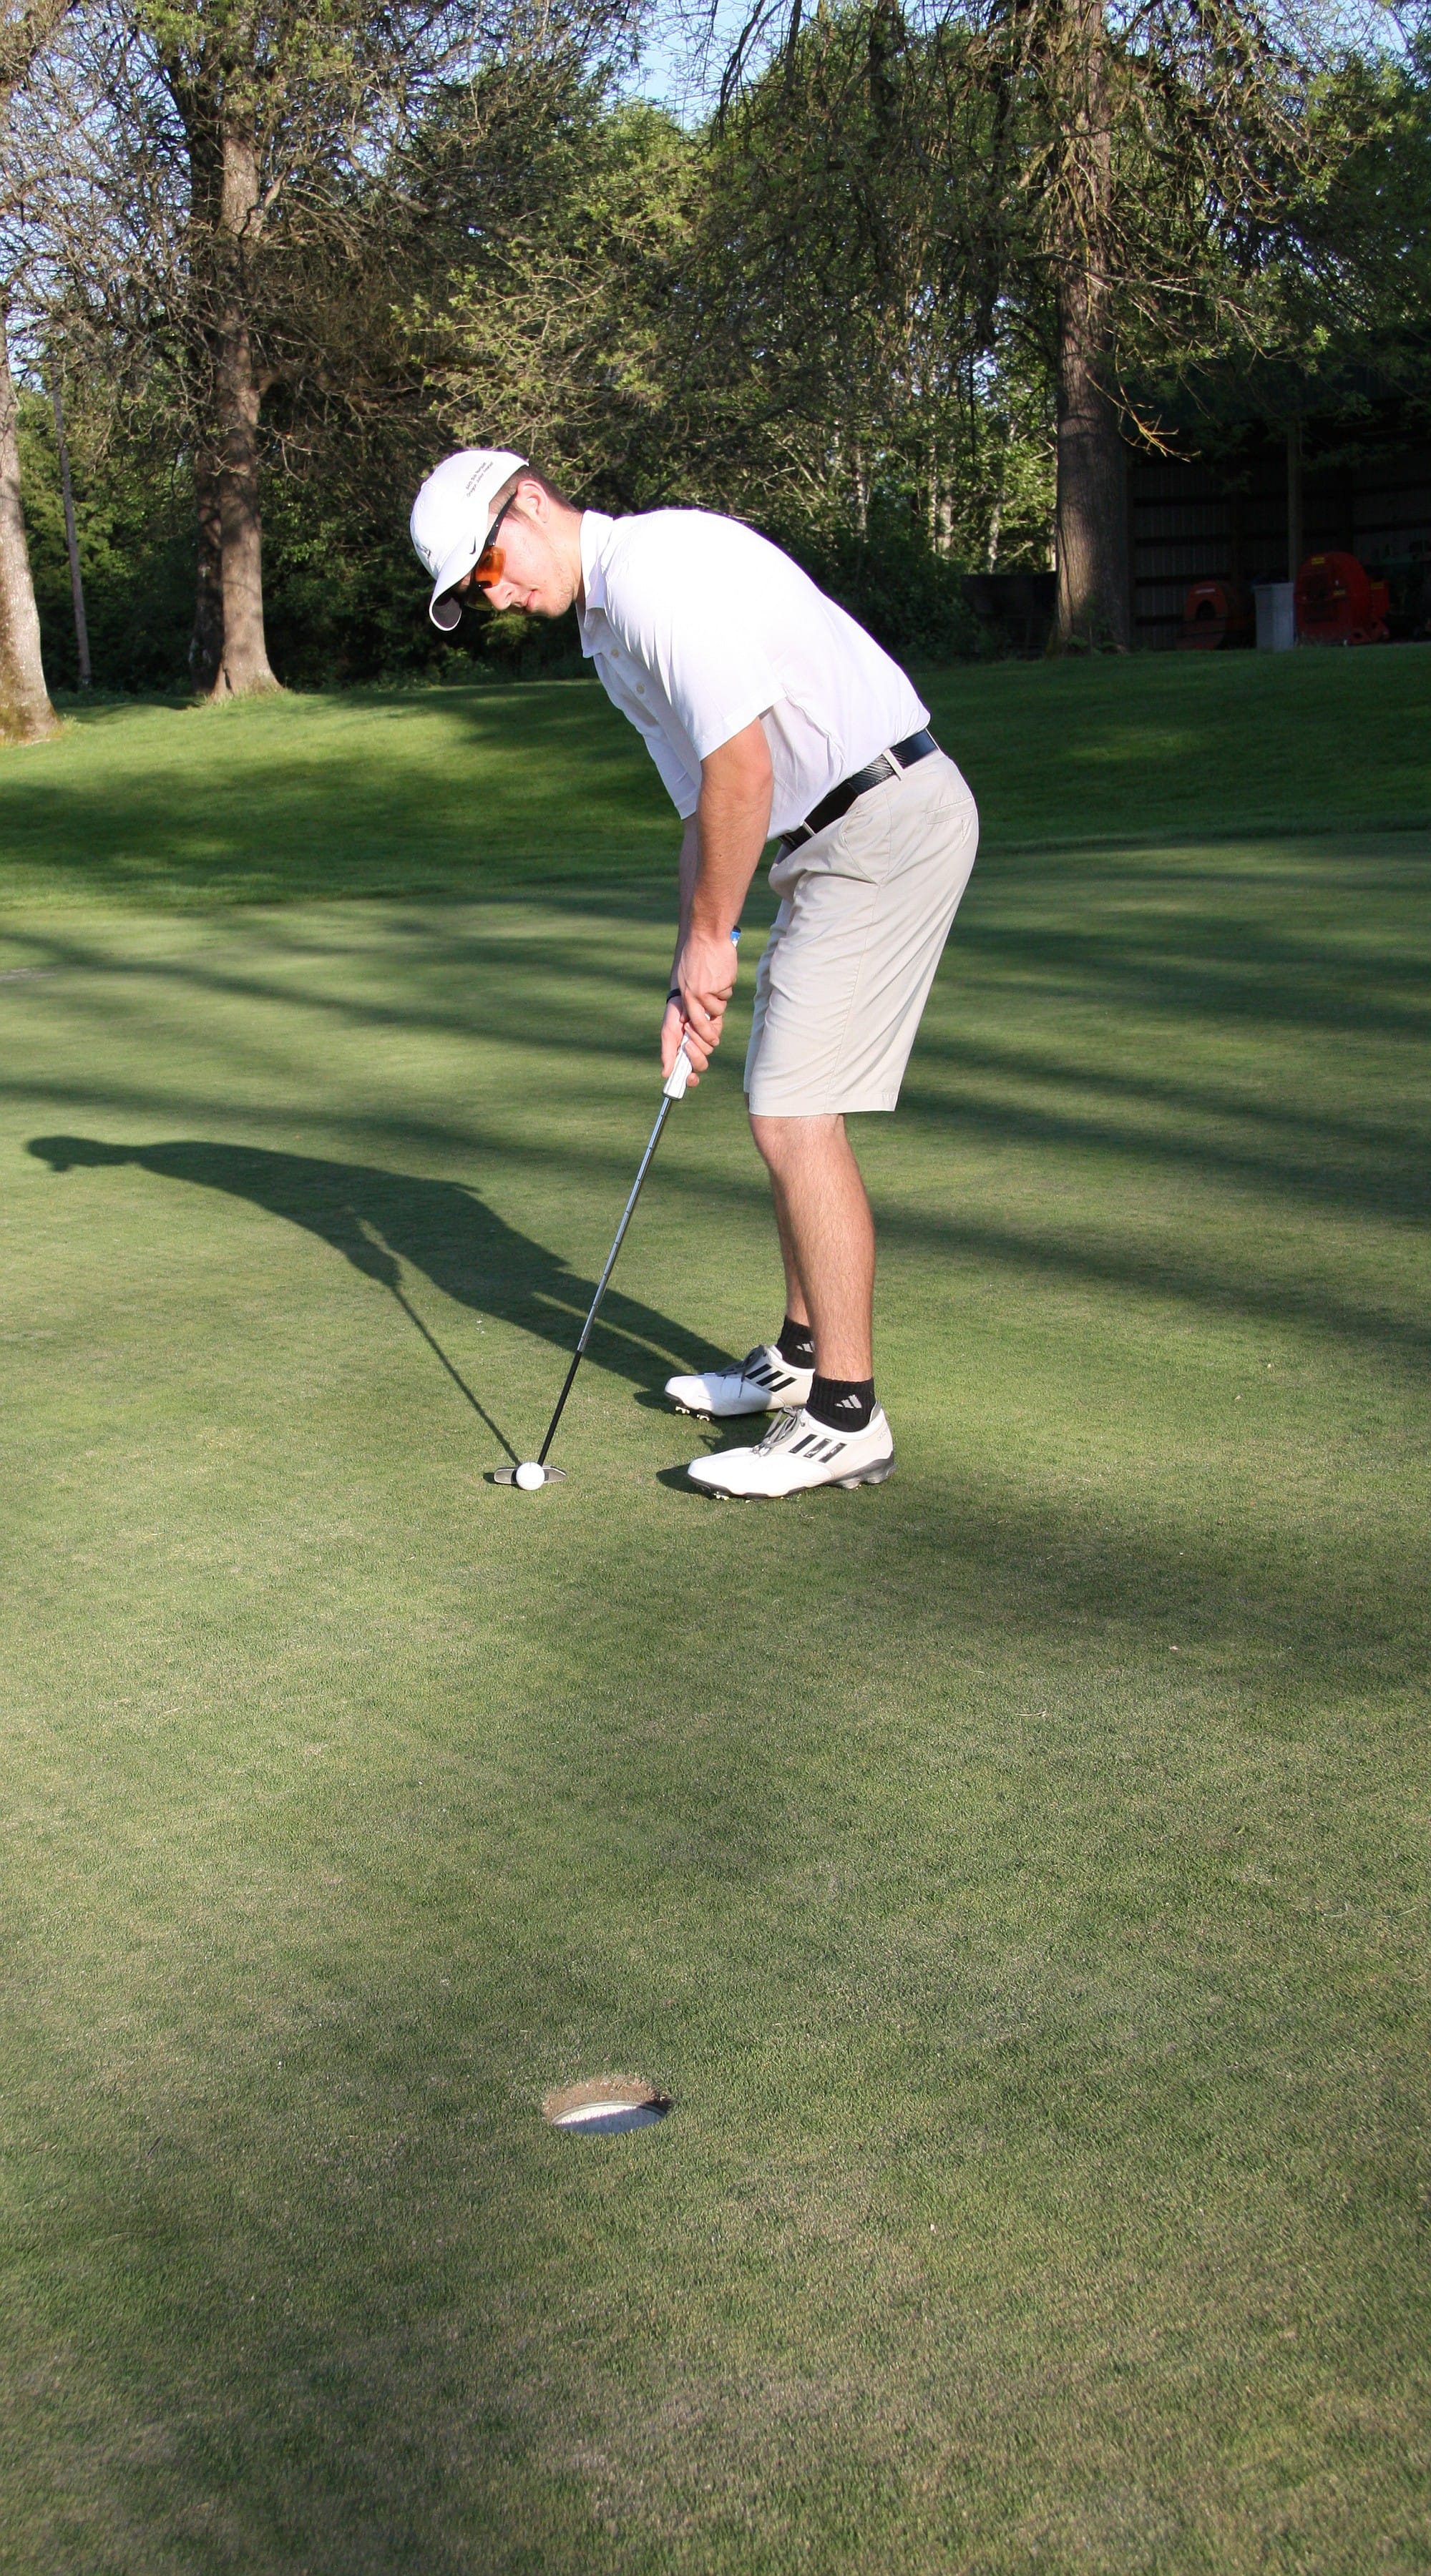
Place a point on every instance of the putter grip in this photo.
(674, 1087)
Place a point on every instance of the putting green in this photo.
(1017, 1874)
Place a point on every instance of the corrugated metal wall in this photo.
(1191, 521)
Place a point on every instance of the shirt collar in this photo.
(596, 530)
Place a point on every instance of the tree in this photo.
(567, 218)
(850, 347)
(1168, 141)
(1114, 175)
(273, 102)
(262, 139)
(1345, 305)
(757, 317)
(26, 714)
(901, 302)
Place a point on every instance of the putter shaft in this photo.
(661, 1116)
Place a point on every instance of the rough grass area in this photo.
(1017, 1874)
(481, 790)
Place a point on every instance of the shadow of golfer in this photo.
(380, 1221)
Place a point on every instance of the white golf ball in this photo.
(529, 1475)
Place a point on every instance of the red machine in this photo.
(1339, 603)
(1216, 613)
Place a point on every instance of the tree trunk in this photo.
(1092, 490)
(206, 644)
(1091, 509)
(243, 670)
(244, 667)
(26, 714)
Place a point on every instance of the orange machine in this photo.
(1339, 603)
(1216, 613)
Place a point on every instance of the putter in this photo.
(535, 1471)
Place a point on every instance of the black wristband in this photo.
(674, 995)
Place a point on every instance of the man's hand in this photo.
(700, 1036)
(673, 1030)
(705, 972)
(722, 844)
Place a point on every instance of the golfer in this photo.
(769, 713)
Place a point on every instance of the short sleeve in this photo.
(683, 790)
(675, 607)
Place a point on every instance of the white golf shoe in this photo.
(765, 1382)
(796, 1453)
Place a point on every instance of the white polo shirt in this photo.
(697, 626)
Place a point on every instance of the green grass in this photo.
(470, 791)
(1018, 1874)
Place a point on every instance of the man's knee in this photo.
(784, 1143)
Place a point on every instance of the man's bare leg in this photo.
(796, 1305)
(826, 1238)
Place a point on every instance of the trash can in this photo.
(1276, 615)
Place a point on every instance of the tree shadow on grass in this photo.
(545, 783)
(380, 1220)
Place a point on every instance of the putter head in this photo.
(508, 1476)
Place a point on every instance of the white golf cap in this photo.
(451, 517)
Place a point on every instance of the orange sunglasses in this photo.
(487, 570)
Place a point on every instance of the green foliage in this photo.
(1335, 298)
(735, 320)
(344, 594)
(1350, 309)
(889, 577)
(553, 333)
(347, 597)
(843, 323)
(136, 559)
(831, 313)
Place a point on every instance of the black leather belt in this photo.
(900, 756)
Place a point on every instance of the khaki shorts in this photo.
(866, 907)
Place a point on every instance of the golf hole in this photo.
(606, 2106)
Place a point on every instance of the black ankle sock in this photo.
(796, 1344)
(842, 1403)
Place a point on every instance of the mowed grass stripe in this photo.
(480, 790)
